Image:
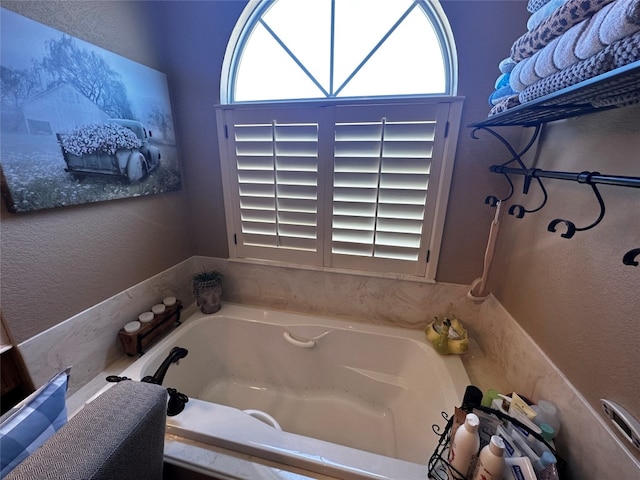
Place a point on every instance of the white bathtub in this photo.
(354, 401)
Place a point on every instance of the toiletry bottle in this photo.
(490, 464)
(465, 445)
(547, 413)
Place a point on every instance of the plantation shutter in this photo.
(274, 166)
(343, 186)
(384, 184)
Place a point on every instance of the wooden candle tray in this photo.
(136, 342)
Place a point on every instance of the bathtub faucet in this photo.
(175, 354)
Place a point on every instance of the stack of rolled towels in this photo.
(567, 42)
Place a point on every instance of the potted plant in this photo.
(207, 288)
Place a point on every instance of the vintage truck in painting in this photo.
(110, 149)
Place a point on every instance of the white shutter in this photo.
(383, 167)
(274, 169)
(347, 186)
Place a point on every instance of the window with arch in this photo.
(338, 124)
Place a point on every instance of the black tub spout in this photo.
(176, 354)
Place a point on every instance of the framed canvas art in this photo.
(79, 124)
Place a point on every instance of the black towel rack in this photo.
(516, 166)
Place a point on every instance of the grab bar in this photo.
(298, 343)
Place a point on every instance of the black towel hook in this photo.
(585, 177)
(520, 210)
(629, 257)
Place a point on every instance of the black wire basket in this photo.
(440, 469)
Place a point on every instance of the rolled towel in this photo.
(514, 78)
(535, 5)
(538, 17)
(504, 105)
(622, 21)
(564, 54)
(501, 93)
(569, 14)
(502, 80)
(618, 54)
(589, 43)
(528, 72)
(544, 65)
(506, 65)
(633, 13)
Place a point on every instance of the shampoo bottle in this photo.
(465, 445)
(490, 464)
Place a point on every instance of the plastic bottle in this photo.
(465, 445)
(547, 413)
(491, 461)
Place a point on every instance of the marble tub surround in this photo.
(88, 341)
(384, 300)
(591, 447)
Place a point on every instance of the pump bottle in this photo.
(465, 445)
(490, 464)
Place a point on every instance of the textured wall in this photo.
(199, 33)
(59, 262)
(574, 296)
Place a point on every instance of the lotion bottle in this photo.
(465, 445)
(490, 464)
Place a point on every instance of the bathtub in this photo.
(344, 399)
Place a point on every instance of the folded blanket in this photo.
(589, 42)
(516, 74)
(502, 81)
(564, 54)
(569, 14)
(501, 93)
(506, 65)
(504, 105)
(538, 17)
(543, 59)
(622, 21)
(535, 5)
(618, 54)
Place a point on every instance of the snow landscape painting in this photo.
(79, 124)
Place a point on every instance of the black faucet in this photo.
(175, 354)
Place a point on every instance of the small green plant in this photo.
(209, 277)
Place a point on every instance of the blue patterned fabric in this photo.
(31, 423)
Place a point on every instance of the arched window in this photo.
(292, 49)
(338, 124)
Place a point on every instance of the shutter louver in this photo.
(381, 177)
(277, 174)
(340, 186)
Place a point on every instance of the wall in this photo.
(199, 32)
(117, 243)
(59, 262)
(574, 296)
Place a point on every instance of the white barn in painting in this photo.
(60, 110)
